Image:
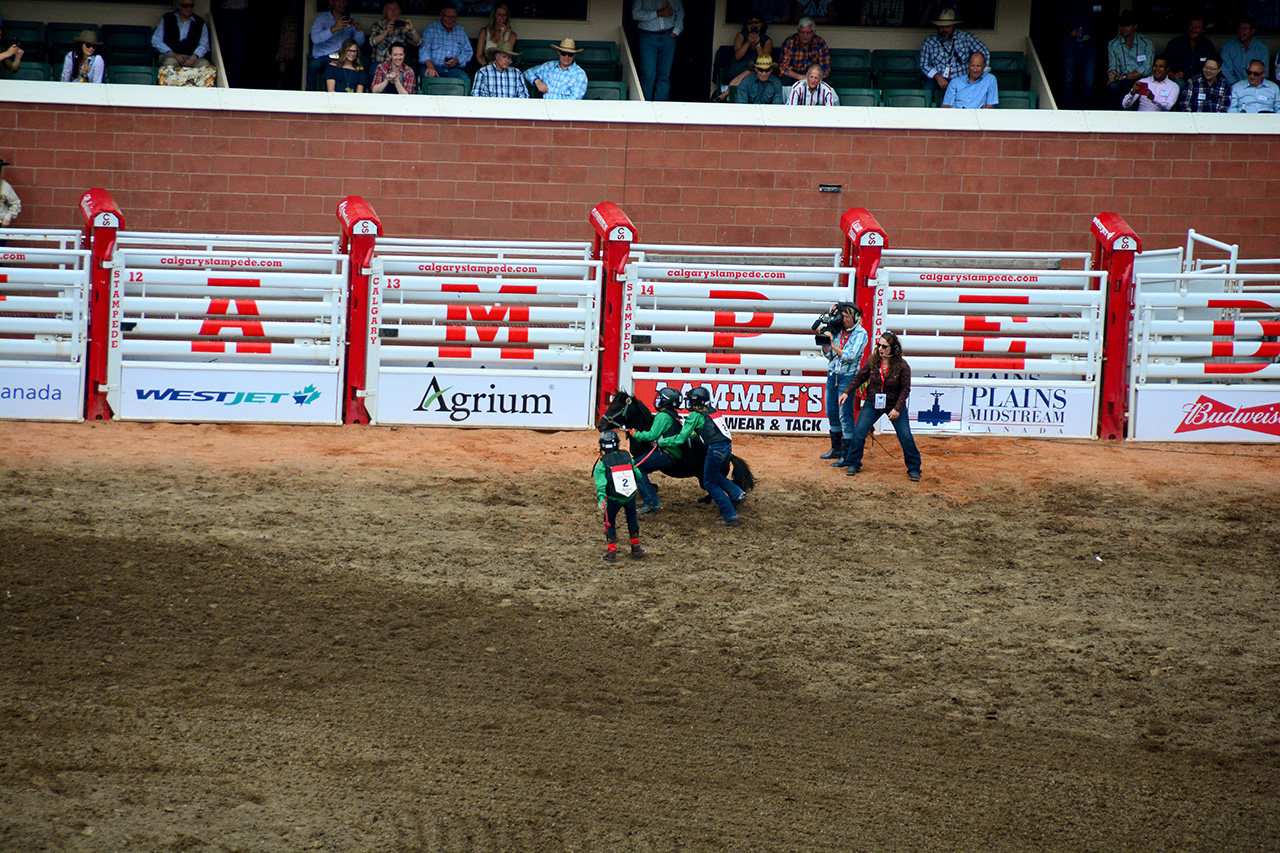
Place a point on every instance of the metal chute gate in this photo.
(737, 320)
(44, 313)
(482, 333)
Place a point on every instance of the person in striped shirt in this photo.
(812, 91)
(497, 79)
(562, 79)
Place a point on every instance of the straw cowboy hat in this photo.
(500, 47)
(763, 63)
(87, 37)
(947, 18)
(568, 46)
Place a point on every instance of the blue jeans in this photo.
(657, 52)
(611, 519)
(840, 418)
(902, 426)
(722, 490)
(655, 460)
(446, 71)
(1079, 69)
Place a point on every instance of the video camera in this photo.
(831, 322)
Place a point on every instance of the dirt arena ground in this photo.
(221, 638)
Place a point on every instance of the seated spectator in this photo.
(976, 91)
(1240, 51)
(497, 30)
(1156, 93)
(748, 46)
(1255, 93)
(11, 56)
(83, 65)
(328, 33)
(1187, 54)
(497, 79)
(390, 31)
(812, 92)
(822, 11)
(345, 74)
(10, 204)
(394, 76)
(446, 48)
(762, 87)
(561, 79)
(881, 13)
(803, 49)
(945, 54)
(1208, 93)
(182, 37)
(1129, 58)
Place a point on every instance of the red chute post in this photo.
(1115, 246)
(102, 219)
(361, 229)
(864, 240)
(612, 246)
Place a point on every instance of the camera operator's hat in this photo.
(947, 18)
(501, 47)
(763, 63)
(568, 46)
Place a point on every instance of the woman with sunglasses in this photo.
(748, 46)
(345, 74)
(888, 379)
(83, 65)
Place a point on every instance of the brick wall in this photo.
(243, 172)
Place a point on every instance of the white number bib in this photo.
(624, 480)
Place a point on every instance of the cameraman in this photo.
(390, 31)
(843, 342)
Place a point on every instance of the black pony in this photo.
(627, 412)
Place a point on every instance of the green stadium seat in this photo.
(125, 44)
(850, 69)
(606, 90)
(1015, 100)
(29, 71)
(445, 86)
(139, 75)
(906, 98)
(896, 69)
(600, 60)
(1009, 68)
(29, 34)
(534, 53)
(858, 97)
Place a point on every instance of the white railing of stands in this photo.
(217, 336)
(997, 350)
(1205, 361)
(737, 320)
(55, 238)
(44, 316)
(482, 333)
(228, 242)
(1190, 262)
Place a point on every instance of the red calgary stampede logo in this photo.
(1207, 413)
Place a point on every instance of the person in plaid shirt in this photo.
(945, 54)
(393, 76)
(1207, 93)
(446, 47)
(561, 79)
(803, 49)
(498, 79)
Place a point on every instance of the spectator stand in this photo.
(1000, 343)
(44, 321)
(226, 328)
(737, 320)
(1204, 360)
(481, 333)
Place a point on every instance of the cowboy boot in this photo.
(836, 447)
(843, 461)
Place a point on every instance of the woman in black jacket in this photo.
(888, 379)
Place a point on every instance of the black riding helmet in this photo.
(609, 441)
(698, 396)
(667, 398)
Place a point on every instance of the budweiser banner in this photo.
(1226, 414)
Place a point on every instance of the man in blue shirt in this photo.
(1240, 51)
(660, 23)
(978, 91)
(328, 33)
(562, 80)
(1255, 93)
(446, 47)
